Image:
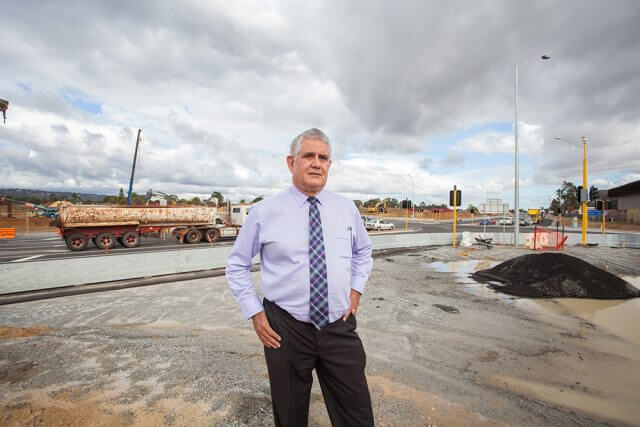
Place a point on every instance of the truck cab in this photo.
(239, 214)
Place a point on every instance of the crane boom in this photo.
(133, 167)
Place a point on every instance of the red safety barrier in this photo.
(548, 240)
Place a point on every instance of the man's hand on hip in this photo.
(268, 336)
(354, 298)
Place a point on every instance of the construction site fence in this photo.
(395, 213)
(7, 233)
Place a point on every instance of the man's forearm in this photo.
(243, 290)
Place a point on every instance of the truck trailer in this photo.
(106, 225)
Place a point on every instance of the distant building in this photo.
(627, 200)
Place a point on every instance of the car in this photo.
(524, 222)
(368, 222)
(487, 221)
(506, 221)
(382, 224)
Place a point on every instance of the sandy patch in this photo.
(433, 409)
(41, 409)
(600, 404)
(12, 333)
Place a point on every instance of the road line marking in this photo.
(27, 258)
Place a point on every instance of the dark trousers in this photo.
(335, 352)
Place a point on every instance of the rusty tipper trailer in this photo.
(105, 225)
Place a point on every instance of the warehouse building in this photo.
(627, 197)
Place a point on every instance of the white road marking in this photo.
(27, 258)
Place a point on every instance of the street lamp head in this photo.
(545, 57)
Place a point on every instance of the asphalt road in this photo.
(46, 246)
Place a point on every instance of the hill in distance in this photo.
(39, 196)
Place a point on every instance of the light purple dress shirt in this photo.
(278, 229)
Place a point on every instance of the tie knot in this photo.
(312, 200)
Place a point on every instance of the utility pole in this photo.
(133, 168)
(585, 212)
(516, 225)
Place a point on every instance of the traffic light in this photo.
(580, 194)
(599, 205)
(406, 204)
(593, 193)
(609, 204)
(458, 197)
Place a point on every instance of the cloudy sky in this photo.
(411, 92)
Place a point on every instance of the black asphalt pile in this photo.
(555, 275)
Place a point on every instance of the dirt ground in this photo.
(597, 225)
(35, 224)
(441, 349)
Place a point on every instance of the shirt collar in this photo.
(301, 198)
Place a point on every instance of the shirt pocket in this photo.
(342, 240)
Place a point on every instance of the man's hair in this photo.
(312, 133)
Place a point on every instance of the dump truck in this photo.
(106, 225)
(535, 215)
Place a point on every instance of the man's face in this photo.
(310, 167)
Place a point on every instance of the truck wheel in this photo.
(105, 239)
(130, 239)
(213, 234)
(193, 236)
(76, 242)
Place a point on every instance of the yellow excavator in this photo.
(381, 206)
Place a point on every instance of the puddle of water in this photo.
(461, 268)
(619, 317)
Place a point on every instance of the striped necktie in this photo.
(319, 296)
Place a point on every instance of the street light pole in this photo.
(585, 213)
(516, 226)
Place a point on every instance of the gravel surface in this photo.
(441, 349)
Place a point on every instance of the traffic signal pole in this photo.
(585, 213)
(604, 208)
(406, 217)
(455, 210)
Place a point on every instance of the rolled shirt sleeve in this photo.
(362, 262)
(239, 262)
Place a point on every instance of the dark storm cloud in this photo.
(220, 87)
(422, 67)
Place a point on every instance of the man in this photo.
(315, 260)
